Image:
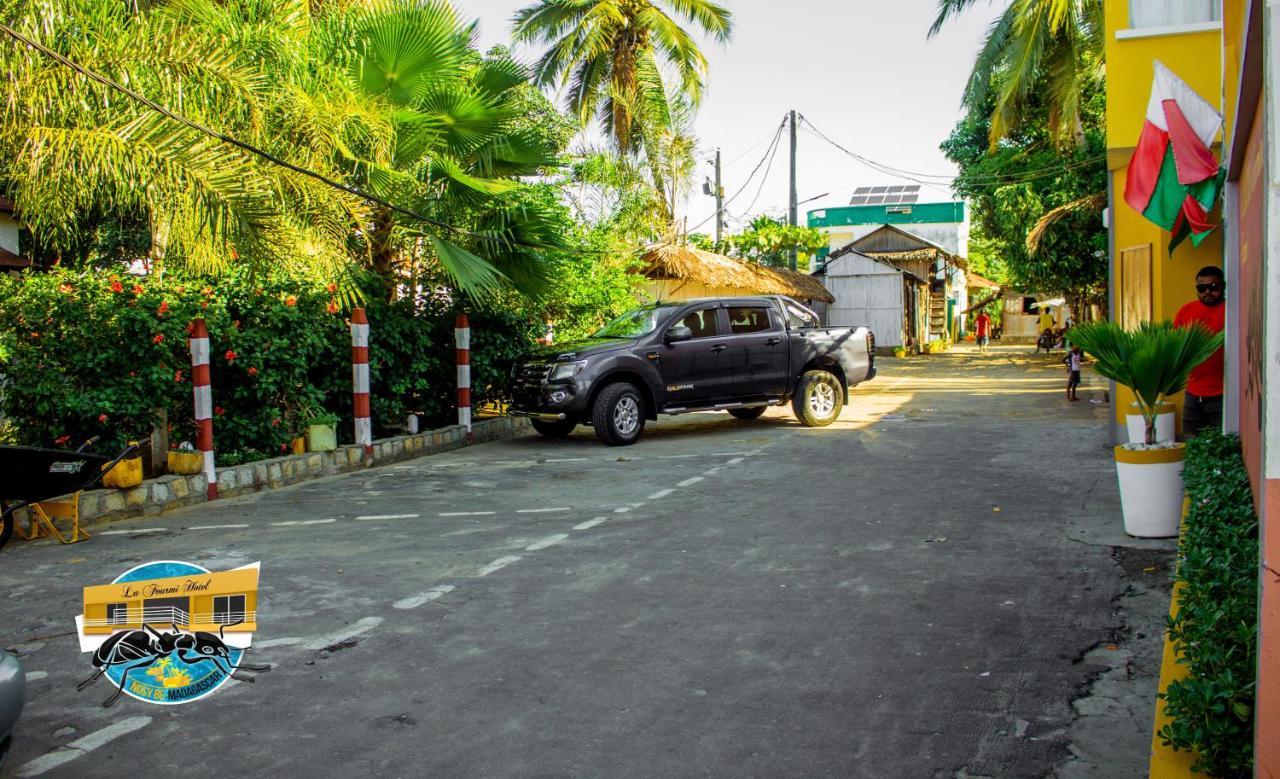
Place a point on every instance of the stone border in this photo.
(156, 495)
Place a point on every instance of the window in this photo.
(117, 613)
(1172, 13)
(799, 317)
(748, 320)
(228, 609)
(703, 322)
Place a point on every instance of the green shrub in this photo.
(1216, 629)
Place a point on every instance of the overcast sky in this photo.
(862, 71)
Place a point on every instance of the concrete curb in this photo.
(156, 495)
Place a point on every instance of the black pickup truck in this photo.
(740, 355)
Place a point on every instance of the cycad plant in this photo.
(1153, 361)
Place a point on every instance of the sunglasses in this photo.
(1214, 287)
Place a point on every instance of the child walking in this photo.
(1072, 361)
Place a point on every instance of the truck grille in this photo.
(531, 373)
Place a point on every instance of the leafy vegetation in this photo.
(1215, 630)
(769, 241)
(1153, 361)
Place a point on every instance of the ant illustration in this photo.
(138, 649)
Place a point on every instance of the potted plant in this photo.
(322, 431)
(1136, 426)
(1153, 361)
(899, 351)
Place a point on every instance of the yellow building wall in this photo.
(1197, 58)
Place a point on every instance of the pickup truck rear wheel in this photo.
(750, 412)
(560, 428)
(819, 399)
(618, 414)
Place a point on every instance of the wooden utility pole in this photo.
(793, 210)
(719, 201)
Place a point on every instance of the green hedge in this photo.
(99, 352)
(1216, 628)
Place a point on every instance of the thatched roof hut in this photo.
(680, 271)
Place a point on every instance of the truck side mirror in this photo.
(677, 333)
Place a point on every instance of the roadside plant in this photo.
(1153, 361)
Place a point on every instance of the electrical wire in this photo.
(998, 179)
(768, 154)
(251, 149)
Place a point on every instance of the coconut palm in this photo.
(1054, 45)
(1153, 361)
(611, 54)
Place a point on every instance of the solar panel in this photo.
(858, 200)
(885, 195)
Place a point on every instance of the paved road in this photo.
(904, 593)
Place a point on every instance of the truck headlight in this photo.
(567, 370)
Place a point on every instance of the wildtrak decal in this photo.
(679, 387)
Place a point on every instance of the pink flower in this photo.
(62, 440)
(102, 418)
(231, 355)
(163, 309)
(158, 339)
(177, 376)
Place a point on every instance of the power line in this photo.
(768, 154)
(995, 179)
(227, 139)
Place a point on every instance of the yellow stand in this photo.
(42, 516)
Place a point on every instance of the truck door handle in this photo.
(718, 348)
(773, 341)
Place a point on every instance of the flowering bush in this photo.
(99, 353)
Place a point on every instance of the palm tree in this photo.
(611, 54)
(1054, 45)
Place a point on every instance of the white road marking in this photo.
(689, 481)
(293, 522)
(622, 509)
(546, 542)
(568, 460)
(711, 471)
(215, 527)
(360, 626)
(372, 517)
(660, 494)
(83, 746)
(590, 523)
(467, 513)
(133, 532)
(270, 642)
(35, 676)
(500, 563)
(735, 461)
(544, 511)
(414, 601)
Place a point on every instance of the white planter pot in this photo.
(1151, 490)
(1165, 424)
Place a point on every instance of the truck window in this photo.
(703, 322)
(744, 319)
(799, 318)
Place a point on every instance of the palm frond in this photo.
(1094, 202)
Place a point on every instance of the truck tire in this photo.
(750, 412)
(618, 414)
(558, 429)
(819, 399)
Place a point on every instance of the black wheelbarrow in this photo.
(30, 475)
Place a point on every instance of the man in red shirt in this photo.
(983, 327)
(1202, 406)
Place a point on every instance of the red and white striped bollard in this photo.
(360, 379)
(202, 393)
(462, 336)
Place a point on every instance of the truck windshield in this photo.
(633, 324)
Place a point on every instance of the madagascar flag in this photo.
(1174, 179)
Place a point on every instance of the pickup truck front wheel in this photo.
(618, 414)
(819, 399)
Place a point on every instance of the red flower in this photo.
(137, 289)
(275, 422)
(253, 371)
(177, 376)
(235, 323)
(62, 440)
(116, 286)
(65, 287)
(332, 288)
(163, 309)
(182, 290)
(284, 447)
(332, 308)
(230, 355)
(132, 374)
(204, 304)
(291, 300)
(218, 410)
(158, 339)
(102, 418)
(35, 333)
(207, 292)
